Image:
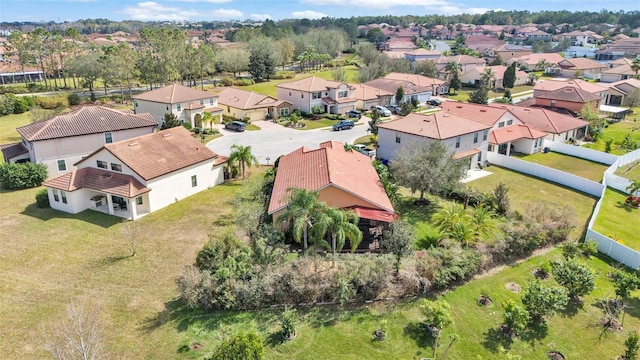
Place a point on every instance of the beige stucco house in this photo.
(243, 104)
(137, 176)
(188, 104)
(474, 76)
(62, 140)
(332, 97)
(368, 96)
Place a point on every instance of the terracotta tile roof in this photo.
(86, 120)
(624, 69)
(570, 94)
(13, 149)
(627, 83)
(160, 153)
(246, 100)
(514, 132)
(481, 113)
(440, 125)
(498, 72)
(544, 120)
(173, 94)
(365, 92)
(417, 79)
(330, 165)
(550, 85)
(464, 154)
(422, 52)
(460, 59)
(394, 54)
(310, 84)
(110, 182)
(392, 86)
(533, 59)
(581, 64)
(193, 106)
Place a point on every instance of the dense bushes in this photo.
(283, 74)
(74, 99)
(42, 199)
(237, 82)
(11, 104)
(22, 176)
(52, 102)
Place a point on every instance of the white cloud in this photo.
(455, 10)
(260, 16)
(204, 1)
(378, 4)
(153, 11)
(225, 13)
(307, 14)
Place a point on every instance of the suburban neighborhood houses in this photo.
(458, 184)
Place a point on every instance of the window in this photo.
(102, 164)
(553, 103)
(116, 167)
(458, 142)
(398, 138)
(62, 165)
(509, 122)
(284, 112)
(302, 96)
(139, 200)
(479, 157)
(136, 102)
(64, 197)
(108, 138)
(194, 181)
(316, 95)
(475, 138)
(485, 134)
(210, 101)
(201, 101)
(342, 94)
(178, 107)
(167, 107)
(501, 124)
(56, 195)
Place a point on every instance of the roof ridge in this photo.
(173, 91)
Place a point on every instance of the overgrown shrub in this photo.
(443, 266)
(52, 102)
(22, 176)
(22, 104)
(74, 99)
(187, 125)
(240, 346)
(283, 74)
(42, 199)
(7, 104)
(195, 130)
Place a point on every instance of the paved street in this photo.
(274, 140)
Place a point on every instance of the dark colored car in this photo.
(343, 124)
(236, 126)
(434, 102)
(354, 114)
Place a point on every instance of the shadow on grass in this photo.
(573, 308)
(89, 216)
(274, 339)
(494, 340)
(418, 332)
(625, 207)
(534, 333)
(414, 213)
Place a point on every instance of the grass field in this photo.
(617, 221)
(572, 165)
(8, 125)
(617, 132)
(630, 171)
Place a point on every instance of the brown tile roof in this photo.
(330, 165)
(365, 92)
(550, 85)
(173, 94)
(310, 84)
(440, 125)
(110, 182)
(570, 94)
(246, 100)
(533, 59)
(422, 52)
(417, 79)
(390, 85)
(161, 153)
(193, 106)
(464, 154)
(544, 120)
(12, 150)
(514, 132)
(581, 64)
(624, 69)
(460, 59)
(84, 121)
(481, 113)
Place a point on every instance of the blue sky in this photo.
(194, 10)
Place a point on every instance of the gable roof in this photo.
(570, 94)
(365, 92)
(246, 100)
(533, 59)
(154, 155)
(498, 71)
(173, 94)
(392, 86)
(550, 85)
(624, 69)
(514, 132)
(485, 114)
(84, 121)
(311, 84)
(417, 79)
(439, 125)
(581, 64)
(111, 182)
(460, 59)
(329, 165)
(544, 120)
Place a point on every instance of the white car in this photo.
(382, 110)
(363, 150)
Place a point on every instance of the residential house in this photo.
(506, 52)
(466, 139)
(474, 76)
(529, 62)
(550, 85)
(593, 37)
(343, 179)
(619, 49)
(411, 90)
(516, 138)
(188, 104)
(618, 70)
(438, 87)
(466, 63)
(480, 43)
(62, 140)
(368, 96)
(332, 97)
(537, 35)
(558, 127)
(577, 67)
(421, 54)
(577, 38)
(570, 98)
(242, 104)
(618, 91)
(137, 176)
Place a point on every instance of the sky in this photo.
(210, 10)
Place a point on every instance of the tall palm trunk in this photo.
(305, 244)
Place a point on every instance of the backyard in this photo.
(630, 171)
(569, 164)
(618, 131)
(616, 220)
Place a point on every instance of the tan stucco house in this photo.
(332, 97)
(243, 104)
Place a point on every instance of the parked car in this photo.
(364, 150)
(354, 114)
(395, 109)
(343, 124)
(382, 110)
(434, 102)
(236, 126)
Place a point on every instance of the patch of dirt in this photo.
(484, 300)
(555, 355)
(610, 324)
(540, 274)
(196, 346)
(513, 287)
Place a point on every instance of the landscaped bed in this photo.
(617, 131)
(619, 221)
(573, 165)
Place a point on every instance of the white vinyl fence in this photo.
(581, 152)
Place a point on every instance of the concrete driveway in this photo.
(275, 140)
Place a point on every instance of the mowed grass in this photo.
(569, 164)
(8, 125)
(617, 221)
(525, 190)
(49, 258)
(630, 171)
(617, 132)
(269, 87)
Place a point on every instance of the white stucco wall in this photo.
(157, 110)
(298, 99)
(75, 203)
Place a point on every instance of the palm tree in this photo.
(635, 66)
(487, 77)
(341, 225)
(484, 223)
(634, 187)
(243, 155)
(454, 222)
(453, 67)
(301, 209)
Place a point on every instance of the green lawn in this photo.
(630, 171)
(617, 132)
(8, 125)
(617, 221)
(572, 165)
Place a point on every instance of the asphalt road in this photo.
(274, 140)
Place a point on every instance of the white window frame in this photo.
(114, 167)
(106, 164)
(194, 181)
(108, 138)
(64, 164)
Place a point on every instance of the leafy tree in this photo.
(233, 60)
(397, 239)
(635, 66)
(509, 78)
(632, 345)
(22, 176)
(633, 98)
(542, 300)
(543, 65)
(576, 278)
(375, 35)
(455, 83)
(437, 316)
(516, 317)
(532, 78)
(240, 346)
(406, 108)
(496, 61)
(390, 187)
(501, 199)
(399, 94)
(634, 187)
(242, 155)
(339, 74)
(375, 121)
(624, 283)
(480, 95)
(427, 167)
(458, 224)
(88, 67)
(452, 68)
(426, 68)
(302, 208)
(170, 121)
(289, 322)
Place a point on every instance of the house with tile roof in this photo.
(188, 104)
(555, 84)
(438, 87)
(506, 52)
(343, 179)
(529, 62)
(465, 61)
(134, 177)
(411, 90)
(369, 96)
(473, 77)
(619, 49)
(618, 70)
(62, 140)
(577, 38)
(572, 67)
(243, 104)
(618, 91)
(570, 98)
(332, 97)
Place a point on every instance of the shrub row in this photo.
(237, 81)
(12, 104)
(22, 176)
(283, 74)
